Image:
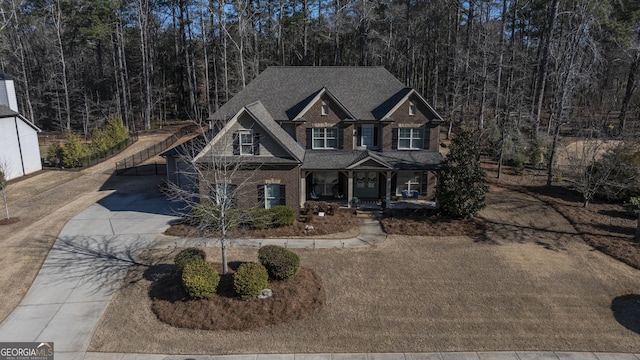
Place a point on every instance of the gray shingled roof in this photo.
(258, 111)
(399, 160)
(362, 90)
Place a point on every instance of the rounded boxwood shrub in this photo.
(188, 255)
(279, 262)
(250, 279)
(200, 279)
(282, 215)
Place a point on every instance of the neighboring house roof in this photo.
(6, 112)
(363, 160)
(286, 91)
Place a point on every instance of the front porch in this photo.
(395, 203)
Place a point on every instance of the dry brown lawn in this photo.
(530, 283)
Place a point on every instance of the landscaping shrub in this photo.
(310, 207)
(279, 262)
(250, 279)
(282, 216)
(188, 255)
(200, 279)
(314, 207)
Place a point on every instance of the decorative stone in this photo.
(266, 293)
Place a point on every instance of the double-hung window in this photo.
(325, 138)
(246, 143)
(368, 136)
(410, 138)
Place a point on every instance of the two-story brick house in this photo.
(328, 132)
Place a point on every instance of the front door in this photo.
(366, 185)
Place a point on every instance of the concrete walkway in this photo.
(96, 248)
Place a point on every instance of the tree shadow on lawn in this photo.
(618, 214)
(555, 191)
(550, 239)
(616, 229)
(626, 310)
(299, 297)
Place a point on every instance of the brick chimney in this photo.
(8, 92)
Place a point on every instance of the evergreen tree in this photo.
(461, 188)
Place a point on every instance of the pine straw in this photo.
(297, 298)
(345, 221)
(9, 221)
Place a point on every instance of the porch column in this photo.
(303, 188)
(388, 193)
(349, 188)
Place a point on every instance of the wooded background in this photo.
(503, 66)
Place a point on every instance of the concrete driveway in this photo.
(83, 270)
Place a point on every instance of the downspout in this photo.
(15, 119)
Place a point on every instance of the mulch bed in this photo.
(344, 220)
(299, 297)
(428, 222)
(9, 221)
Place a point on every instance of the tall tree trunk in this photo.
(542, 67)
(56, 13)
(503, 21)
(143, 24)
(631, 86)
(552, 157)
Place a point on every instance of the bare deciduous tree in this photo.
(213, 183)
(593, 165)
(4, 169)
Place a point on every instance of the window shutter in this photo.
(309, 138)
(359, 135)
(425, 182)
(426, 138)
(340, 138)
(236, 144)
(256, 143)
(394, 138)
(261, 196)
(283, 195)
(375, 135)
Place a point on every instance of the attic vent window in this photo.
(412, 108)
(324, 109)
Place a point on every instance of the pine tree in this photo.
(461, 187)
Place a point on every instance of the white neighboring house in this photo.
(19, 150)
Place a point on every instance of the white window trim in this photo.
(325, 139)
(415, 134)
(266, 199)
(243, 144)
(410, 184)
